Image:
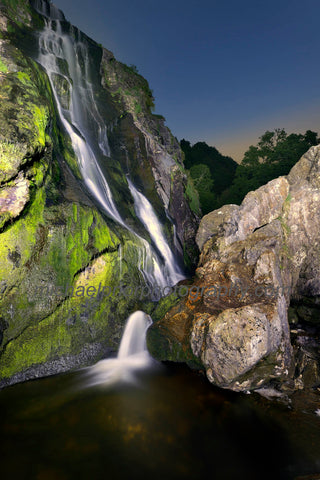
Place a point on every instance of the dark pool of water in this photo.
(173, 424)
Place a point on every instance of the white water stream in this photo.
(146, 214)
(132, 355)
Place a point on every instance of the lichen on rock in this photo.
(255, 258)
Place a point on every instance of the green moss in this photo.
(68, 250)
(47, 248)
(77, 321)
(21, 237)
(25, 79)
(132, 89)
(103, 237)
(36, 173)
(72, 247)
(19, 11)
(10, 158)
(24, 116)
(36, 345)
(75, 212)
(137, 108)
(164, 305)
(3, 67)
(164, 347)
(192, 196)
(40, 122)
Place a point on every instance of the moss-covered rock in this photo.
(169, 339)
(63, 264)
(54, 243)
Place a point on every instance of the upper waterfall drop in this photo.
(48, 9)
(54, 45)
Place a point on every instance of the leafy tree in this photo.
(219, 180)
(222, 168)
(274, 155)
(203, 182)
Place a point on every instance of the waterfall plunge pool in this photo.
(170, 424)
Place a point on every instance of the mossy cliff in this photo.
(57, 249)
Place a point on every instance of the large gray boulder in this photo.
(254, 259)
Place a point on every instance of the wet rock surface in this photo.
(255, 258)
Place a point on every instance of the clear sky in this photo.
(223, 72)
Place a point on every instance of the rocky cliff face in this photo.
(255, 259)
(55, 242)
(146, 148)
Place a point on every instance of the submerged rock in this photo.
(255, 258)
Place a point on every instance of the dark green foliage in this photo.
(203, 182)
(134, 68)
(222, 168)
(274, 155)
(220, 181)
(211, 172)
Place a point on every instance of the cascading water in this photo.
(65, 57)
(132, 356)
(146, 214)
(55, 45)
(48, 9)
(80, 117)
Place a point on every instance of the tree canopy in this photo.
(222, 168)
(211, 172)
(219, 180)
(273, 156)
(203, 182)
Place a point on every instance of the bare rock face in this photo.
(254, 259)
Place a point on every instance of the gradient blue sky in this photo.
(221, 72)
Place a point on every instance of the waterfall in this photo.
(65, 57)
(66, 61)
(134, 336)
(146, 214)
(132, 356)
(48, 9)
(76, 117)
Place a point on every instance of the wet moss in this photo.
(3, 67)
(164, 305)
(19, 11)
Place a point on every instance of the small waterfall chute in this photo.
(132, 355)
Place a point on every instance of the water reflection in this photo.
(171, 424)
